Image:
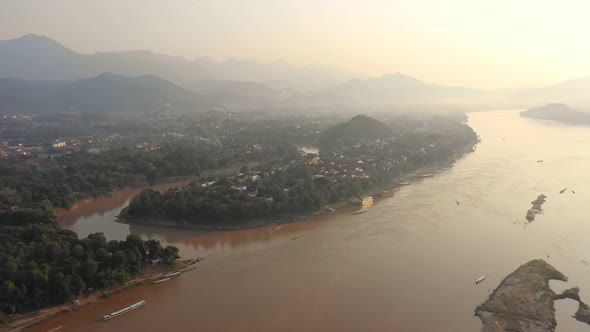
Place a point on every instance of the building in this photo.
(58, 144)
(367, 201)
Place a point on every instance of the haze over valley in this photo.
(257, 165)
(238, 84)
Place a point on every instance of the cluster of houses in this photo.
(384, 158)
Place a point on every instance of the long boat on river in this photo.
(161, 280)
(122, 311)
(423, 176)
(186, 269)
(172, 274)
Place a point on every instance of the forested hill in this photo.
(106, 93)
(557, 112)
(358, 128)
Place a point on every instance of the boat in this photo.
(277, 228)
(172, 274)
(367, 201)
(405, 183)
(186, 269)
(389, 193)
(359, 212)
(480, 280)
(123, 311)
(160, 280)
(425, 176)
(56, 329)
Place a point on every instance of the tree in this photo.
(154, 249)
(119, 259)
(170, 254)
(135, 242)
(89, 269)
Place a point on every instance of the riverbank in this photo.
(121, 195)
(337, 207)
(19, 322)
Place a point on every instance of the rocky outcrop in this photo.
(572, 293)
(583, 313)
(523, 301)
(536, 208)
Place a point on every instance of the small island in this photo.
(536, 208)
(558, 112)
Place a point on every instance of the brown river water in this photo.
(409, 264)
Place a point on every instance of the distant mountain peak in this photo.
(398, 77)
(32, 38)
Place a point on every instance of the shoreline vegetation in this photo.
(328, 209)
(59, 267)
(160, 184)
(22, 321)
(357, 158)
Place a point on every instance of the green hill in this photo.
(359, 128)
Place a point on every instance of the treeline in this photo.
(226, 203)
(41, 265)
(63, 180)
(301, 184)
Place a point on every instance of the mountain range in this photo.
(39, 73)
(33, 57)
(106, 93)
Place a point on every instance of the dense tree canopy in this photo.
(41, 265)
(357, 156)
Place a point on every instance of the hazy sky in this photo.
(493, 43)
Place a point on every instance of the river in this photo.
(409, 264)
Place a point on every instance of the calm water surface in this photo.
(409, 264)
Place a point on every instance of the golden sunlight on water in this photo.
(409, 264)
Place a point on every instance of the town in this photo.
(304, 182)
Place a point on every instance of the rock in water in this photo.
(536, 208)
(523, 302)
